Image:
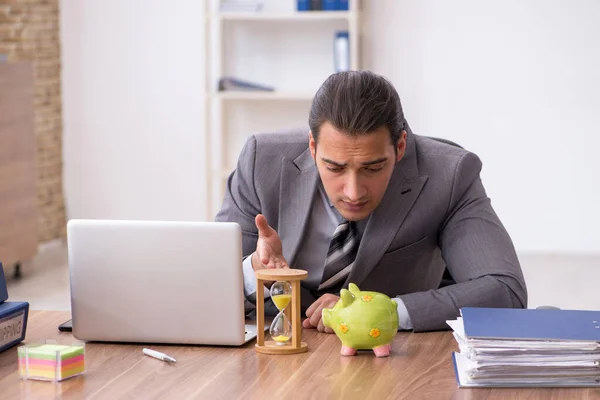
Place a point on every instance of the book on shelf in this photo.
(233, 84)
(322, 5)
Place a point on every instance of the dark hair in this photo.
(356, 103)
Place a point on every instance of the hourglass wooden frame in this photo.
(293, 276)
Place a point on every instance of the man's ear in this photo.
(401, 146)
(312, 145)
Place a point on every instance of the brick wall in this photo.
(29, 31)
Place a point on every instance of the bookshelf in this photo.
(263, 95)
(285, 16)
(278, 46)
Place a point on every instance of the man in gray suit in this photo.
(360, 198)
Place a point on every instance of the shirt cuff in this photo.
(404, 322)
(250, 278)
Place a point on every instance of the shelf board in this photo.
(285, 16)
(259, 95)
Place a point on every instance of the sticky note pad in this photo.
(50, 361)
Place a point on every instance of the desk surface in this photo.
(420, 367)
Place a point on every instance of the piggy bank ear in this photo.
(353, 288)
(347, 297)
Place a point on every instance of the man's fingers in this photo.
(315, 311)
(306, 324)
(315, 318)
(310, 310)
(264, 259)
(321, 326)
(270, 261)
(264, 230)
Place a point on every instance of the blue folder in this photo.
(531, 324)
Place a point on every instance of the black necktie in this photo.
(340, 256)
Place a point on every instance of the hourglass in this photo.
(285, 293)
(281, 327)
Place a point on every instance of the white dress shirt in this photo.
(323, 220)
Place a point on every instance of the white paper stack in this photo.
(528, 353)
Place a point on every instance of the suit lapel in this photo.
(402, 192)
(299, 180)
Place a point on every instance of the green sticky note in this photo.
(48, 351)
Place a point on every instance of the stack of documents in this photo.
(520, 348)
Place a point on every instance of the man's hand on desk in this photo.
(315, 311)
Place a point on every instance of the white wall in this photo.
(133, 103)
(517, 82)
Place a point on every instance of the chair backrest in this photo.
(446, 278)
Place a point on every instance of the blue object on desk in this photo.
(3, 289)
(13, 323)
(526, 324)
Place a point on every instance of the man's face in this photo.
(355, 171)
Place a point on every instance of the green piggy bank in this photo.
(363, 321)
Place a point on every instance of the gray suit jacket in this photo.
(435, 213)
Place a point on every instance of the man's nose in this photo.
(353, 190)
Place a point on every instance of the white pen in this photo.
(159, 355)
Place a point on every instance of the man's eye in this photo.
(335, 169)
(374, 169)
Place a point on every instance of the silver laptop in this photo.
(157, 282)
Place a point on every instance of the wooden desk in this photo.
(419, 368)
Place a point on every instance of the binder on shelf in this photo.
(316, 5)
(303, 5)
(330, 5)
(230, 83)
(342, 5)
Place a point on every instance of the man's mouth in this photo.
(355, 206)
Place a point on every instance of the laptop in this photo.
(157, 282)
